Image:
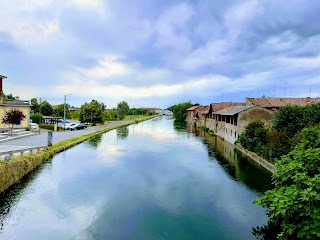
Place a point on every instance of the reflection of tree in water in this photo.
(237, 165)
(123, 132)
(12, 195)
(179, 126)
(95, 141)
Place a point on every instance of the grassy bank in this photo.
(16, 169)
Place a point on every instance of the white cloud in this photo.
(170, 27)
(108, 66)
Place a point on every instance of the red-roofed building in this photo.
(274, 104)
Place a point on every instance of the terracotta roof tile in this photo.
(218, 106)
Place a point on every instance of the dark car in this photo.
(81, 126)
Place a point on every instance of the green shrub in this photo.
(293, 206)
(27, 128)
(49, 127)
(35, 118)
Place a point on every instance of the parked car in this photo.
(81, 126)
(32, 125)
(77, 127)
(71, 126)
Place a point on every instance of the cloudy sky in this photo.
(157, 53)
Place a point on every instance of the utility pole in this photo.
(285, 90)
(40, 117)
(64, 111)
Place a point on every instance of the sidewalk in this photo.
(42, 139)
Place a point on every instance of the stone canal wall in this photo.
(266, 164)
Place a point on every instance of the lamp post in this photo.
(64, 111)
(40, 117)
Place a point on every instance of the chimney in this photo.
(1, 90)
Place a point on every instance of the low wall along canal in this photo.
(152, 180)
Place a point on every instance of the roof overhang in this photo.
(2, 76)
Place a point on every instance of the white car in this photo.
(71, 126)
(66, 126)
(32, 125)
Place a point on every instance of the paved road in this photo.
(41, 139)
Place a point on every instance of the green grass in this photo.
(130, 117)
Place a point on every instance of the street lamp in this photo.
(40, 117)
(64, 111)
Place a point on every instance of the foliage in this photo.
(254, 138)
(292, 119)
(27, 128)
(8, 96)
(13, 117)
(49, 127)
(293, 206)
(36, 118)
(46, 109)
(75, 114)
(122, 109)
(111, 115)
(58, 111)
(34, 105)
(92, 112)
(180, 111)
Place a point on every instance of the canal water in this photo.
(152, 180)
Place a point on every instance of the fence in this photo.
(9, 155)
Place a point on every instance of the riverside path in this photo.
(42, 138)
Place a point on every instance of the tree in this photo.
(122, 109)
(180, 111)
(46, 109)
(92, 112)
(111, 114)
(293, 206)
(9, 96)
(254, 138)
(34, 105)
(59, 111)
(13, 117)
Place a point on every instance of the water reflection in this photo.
(122, 133)
(162, 182)
(95, 141)
(235, 163)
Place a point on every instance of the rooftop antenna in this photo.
(274, 90)
(285, 84)
(310, 90)
(290, 93)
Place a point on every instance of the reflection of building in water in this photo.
(238, 165)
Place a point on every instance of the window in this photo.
(235, 134)
(231, 133)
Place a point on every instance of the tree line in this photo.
(293, 144)
(94, 112)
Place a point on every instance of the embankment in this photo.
(263, 162)
(13, 171)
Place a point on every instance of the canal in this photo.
(152, 180)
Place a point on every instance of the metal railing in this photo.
(9, 155)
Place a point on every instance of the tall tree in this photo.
(34, 105)
(122, 109)
(13, 117)
(59, 111)
(180, 111)
(46, 109)
(92, 112)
